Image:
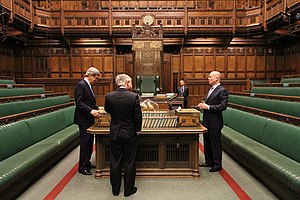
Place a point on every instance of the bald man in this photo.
(215, 102)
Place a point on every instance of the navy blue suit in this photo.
(126, 120)
(213, 121)
(184, 94)
(85, 103)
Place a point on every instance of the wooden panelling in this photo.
(188, 63)
(120, 63)
(76, 63)
(175, 63)
(54, 67)
(108, 64)
(97, 62)
(87, 62)
(65, 64)
(209, 63)
(220, 63)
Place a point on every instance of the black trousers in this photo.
(86, 148)
(122, 153)
(213, 147)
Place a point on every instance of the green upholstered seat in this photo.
(28, 105)
(278, 106)
(288, 91)
(290, 80)
(33, 145)
(268, 148)
(4, 92)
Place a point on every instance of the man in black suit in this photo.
(126, 120)
(183, 91)
(216, 102)
(85, 112)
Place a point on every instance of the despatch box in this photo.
(104, 120)
(188, 117)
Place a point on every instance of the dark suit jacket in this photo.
(85, 102)
(217, 101)
(125, 110)
(185, 92)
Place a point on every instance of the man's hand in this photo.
(95, 113)
(203, 106)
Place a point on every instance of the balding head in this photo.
(214, 78)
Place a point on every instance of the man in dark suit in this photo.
(85, 112)
(216, 102)
(126, 120)
(183, 91)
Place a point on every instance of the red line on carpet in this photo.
(230, 181)
(64, 181)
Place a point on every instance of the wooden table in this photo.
(161, 152)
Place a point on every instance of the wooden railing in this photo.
(267, 96)
(31, 97)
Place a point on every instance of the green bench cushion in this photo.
(290, 80)
(45, 125)
(250, 125)
(288, 91)
(277, 165)
(7, 81)
(283, 138)
(14, 137)
(20, 91)
(283, 107)
(28, 105)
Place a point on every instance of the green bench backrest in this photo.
(283, 107)
(288, 91)
(28, 105)
(20, 91)
(14, 137)
(69, 115)
(279, 136)
(6, 81)
(250, 125)
(45, 125)
(284, 138)
(290, 80)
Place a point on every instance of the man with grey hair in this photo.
(85, 112)
(215, 103)
(126, 120)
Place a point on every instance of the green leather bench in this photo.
(267, 148)
(290, 80)
(7, 81)
(278, 106)
(288, 91)
(29, 147)
(6, 92)
(23, 106)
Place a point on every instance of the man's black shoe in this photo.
(215, 169)
(116, 193)
(91, 166)
(85, 172)
(134, 190)
(205, 165)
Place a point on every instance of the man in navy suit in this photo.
(85, 112)
(126, 120)
(183, 91)
(216, 102)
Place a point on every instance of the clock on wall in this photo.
(148, 19)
